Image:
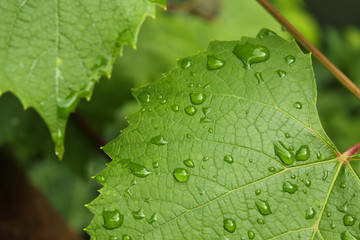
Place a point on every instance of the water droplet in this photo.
(153, 218)
(128, 192)
(260, 221)
(258, 191)
(210, 130)
(175, 108)
(148, 199)
(229, 159)
(310, 213)
(113, 238)
(259, 77)
(290, 59)
(181, 174)
(137, 169)
(138, 215)
(303, 153)
(191, 110)
(144, 97)
(185, 63)
(283, 153)
(112, 219)
(308, 183)
(304, 191)
(328, 214)
(100, 178)
(289, 187)
(272, 169)
(343, 185)
(250, 54)
(265, 33)
(349, 220)
(291, 148)
(163, 101)
(298, 105)
(263, 207)
(287, 135)
(197, 98)
(343, 208)
(133, 182)
(281, 73)
(251, 234)
(347, 235)
(332, 225)
(325, 175)
(293, 176)
(229, 225)
(158, 140)
(250, 160)
(205, 159)
(155, 164)
(214, 63)
(189, 163)
(319, 155)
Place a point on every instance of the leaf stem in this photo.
(311, 48)
(353, 150)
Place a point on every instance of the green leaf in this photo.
(53, 52)
(232, 152)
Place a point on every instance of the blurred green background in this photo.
(186, 28)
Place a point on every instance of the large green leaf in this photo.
(52, 52)
(229, 146)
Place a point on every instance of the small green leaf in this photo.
(266, 169)
(53, 52)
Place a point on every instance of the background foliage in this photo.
(184, 29)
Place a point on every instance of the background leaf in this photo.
(52, 53)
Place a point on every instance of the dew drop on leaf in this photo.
(214, 63)
(298, 105)
(185, 63)
(293, 176)
(163, 101)
(343, 185)
(258, 77)
(153, 218)
(281, 73)
(349, 220)
(100, 178)
(265, 33)
(250, 54)
(181, 174)
(347, 235)
(229, 225)
(283, 153)
(251, 234)
(197, 98)
(289, 59)
(155, 164)
(112, 219)
(271, 169)
(343, 208)
(175, 108)
(287, 135)
(229, 159)
(138, 215)
(308, 183)
(328, 214)
(332, 225)
(303, 153)
(263, 207)
(158, 140)
(113, 238)
(258, 191)
(310, 213)
(319, 155)
(138, 170)
(260, 221)
(144, 97)
(325, 175)
(289, 187)
(191, 110)
(189, 163)
(126, 237)
(210, 130)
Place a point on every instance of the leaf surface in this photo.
(228, 146)
(51, 53)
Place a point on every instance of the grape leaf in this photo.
(229, 146)
(53, 52)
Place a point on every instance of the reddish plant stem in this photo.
(311, 48)
(353, 150)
